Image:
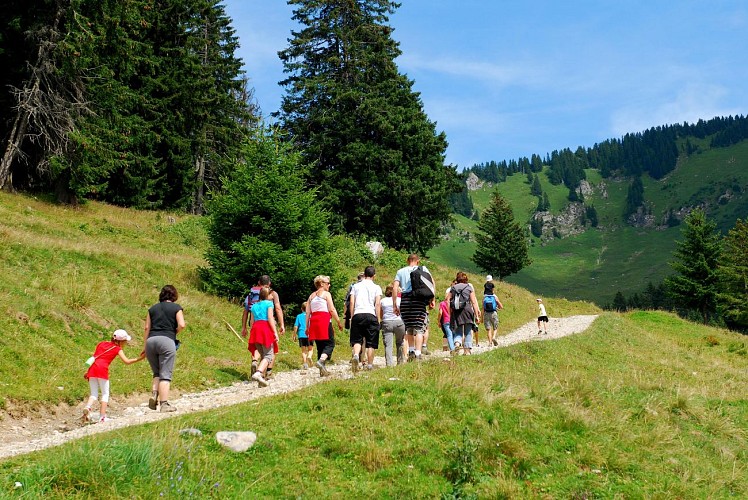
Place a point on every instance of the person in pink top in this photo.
(98, 373)
(443, 318)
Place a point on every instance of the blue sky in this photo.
(505, 79)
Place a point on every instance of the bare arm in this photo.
(474, 301)
(278, 311)
(245, 318)
(147, 331)
(127, 360)
(309, 311)
(333, 311)
(378, 307)
(271, 320)
(181, 325)
(395, 295)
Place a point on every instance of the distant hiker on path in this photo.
(263, 335)
(319, 311)
(463, 311)
(542, 318)
(162, 324)
(98, 374)
(491, 306)
(366, 314)
(414, 302)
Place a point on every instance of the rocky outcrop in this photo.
(563, 225)
(473, 182)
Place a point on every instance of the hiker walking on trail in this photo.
(463, 311)
(263, 335)
(393, 328)
(98, 373)
(320, 310)
(252, 297)
(542, 317)
(491, 306)
(162, 324)
(366, 314)
(299, 333)
(443, 318)
(416, 297)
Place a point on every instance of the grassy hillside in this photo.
(643, 405)
(72, 276)
(615, 256)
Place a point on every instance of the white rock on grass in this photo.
(236, 441)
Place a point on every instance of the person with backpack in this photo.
(491, 306)
(417, 286)
(463, 311)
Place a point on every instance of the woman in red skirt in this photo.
(263, 333)
(319, 311)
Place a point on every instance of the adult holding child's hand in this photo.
(162, 324)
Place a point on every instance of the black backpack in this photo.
(422, 284)
(459, 300)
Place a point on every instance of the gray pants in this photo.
(161, 353)
(393, 329)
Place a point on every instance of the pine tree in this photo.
(376, 157)
(502, 244)
(536, 189)
(733, 277)
(266, 221)
(634, 197)
(694, 287)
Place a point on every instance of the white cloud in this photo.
(692, 102)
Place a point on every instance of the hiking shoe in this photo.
(322, 369)
(260, 380)
(368, 367)
(354, 364)
(167, 408)
(153, 402)
(411, 356)
(253, 368)
(540, 331)
(458, 344)
(400, 359)
(425, 350)
(495, 342)
(305, 366)
(268, 374)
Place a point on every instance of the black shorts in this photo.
(365, 327)
(304, 342)
(543, 319)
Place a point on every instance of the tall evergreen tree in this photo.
(733, 277)
(535, 189)
(266, 221)
(502, 244)
(376, 157)
(694, 285)
(634, 196)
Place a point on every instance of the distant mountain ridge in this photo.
(606, 218)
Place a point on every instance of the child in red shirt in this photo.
(98, 374)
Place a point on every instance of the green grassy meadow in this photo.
(615, 256)
(643, 405)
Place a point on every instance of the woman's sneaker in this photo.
(153, 402)
(322, 369)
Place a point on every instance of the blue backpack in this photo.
(489, 303)
(252, 297)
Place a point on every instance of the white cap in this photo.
(121, 335)
(539, 300)
(489, 278)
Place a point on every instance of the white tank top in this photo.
(319, 304)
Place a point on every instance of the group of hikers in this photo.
(399, 316)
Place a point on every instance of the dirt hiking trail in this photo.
(62, 423)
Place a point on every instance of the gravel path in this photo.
(31, 434)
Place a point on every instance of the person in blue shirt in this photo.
(299, 333)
